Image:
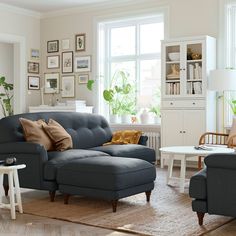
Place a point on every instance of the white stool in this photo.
(12, 173)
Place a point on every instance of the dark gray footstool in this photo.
(106, 177)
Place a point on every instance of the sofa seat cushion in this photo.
(198, 185)
(56, 159)
(129, 150)
(106, 173)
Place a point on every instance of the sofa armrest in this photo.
(143, 140)
(33, 155)
(22, 147)
(222, 161)
(198, 185)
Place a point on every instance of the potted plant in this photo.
(6, 97)
(119, 97)
(157, 113)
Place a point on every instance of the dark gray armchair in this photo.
(213, 189)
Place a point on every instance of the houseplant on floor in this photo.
(6, 97)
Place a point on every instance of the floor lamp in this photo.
(222, 80)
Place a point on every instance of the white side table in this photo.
(12, 173)
(185, 152)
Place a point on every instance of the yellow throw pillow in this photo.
(125, 137)
(61, 139)
(34, 133)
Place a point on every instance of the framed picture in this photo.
(51, 82)
(65, 44)
(34, 54)
(33, 67)
(80, 42)
(67, 62)
(53, 46)
(83, 64)
(33, 82)
(53, 62)
(83, 79)
(68, 86)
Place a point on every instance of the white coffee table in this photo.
(185, 152)
(12, 173)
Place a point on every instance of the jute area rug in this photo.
(168, 213)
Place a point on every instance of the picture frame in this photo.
(34, 54)
(65, 44)
(82, 64)
(68, 86)
(83, 78)
(53, 46)
(51, 82)
(33, 82)
(53, 62)
(67, 62)
(80, 42)
(33, 67)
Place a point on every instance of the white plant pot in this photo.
(114, 119)
(126, 119)
(145, 117)
(157, 119)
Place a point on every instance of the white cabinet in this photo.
(187, 108)
(182, 127)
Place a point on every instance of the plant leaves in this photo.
(90, 84)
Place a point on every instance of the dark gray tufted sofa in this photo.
(47, 170)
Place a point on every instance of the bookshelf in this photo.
(187, 107)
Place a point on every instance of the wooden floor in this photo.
(31, 225)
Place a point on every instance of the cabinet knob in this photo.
(171, 103)
(194, 103)
(181, 132)
(184, 132)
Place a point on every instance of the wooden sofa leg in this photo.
(114, 205)
(148, 195)
(6, 188)
(66, 198)
(52, 195)
(200, 216)
(199, 163)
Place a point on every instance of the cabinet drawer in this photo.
(183, 104)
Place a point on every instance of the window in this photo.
(130, 64)
(230, 38)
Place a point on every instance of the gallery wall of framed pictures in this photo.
(66, 66)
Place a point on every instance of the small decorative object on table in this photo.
(10, 161)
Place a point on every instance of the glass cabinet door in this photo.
(194, 70)
(172, 69)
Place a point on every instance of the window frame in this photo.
(108, 59)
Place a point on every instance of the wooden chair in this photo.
(212, 138)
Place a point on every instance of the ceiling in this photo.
(44, 6)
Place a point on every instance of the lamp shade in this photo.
(222, 80)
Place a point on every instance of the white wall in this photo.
(21, 23)
(186, 18)
(6, 64)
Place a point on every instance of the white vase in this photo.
(144, 117)
(126, 119)
(114, 119)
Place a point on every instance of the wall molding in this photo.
(20, 11)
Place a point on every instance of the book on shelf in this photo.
(197, 72)
(173, 88)
(191, 71)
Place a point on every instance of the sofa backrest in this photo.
(86, 130)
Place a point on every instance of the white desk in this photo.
(185, 152)
(12, 173)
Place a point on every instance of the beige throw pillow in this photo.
(233, 132)
(61, 139)
(34, 132)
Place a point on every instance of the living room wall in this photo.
(15, 21)
(186, 18)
